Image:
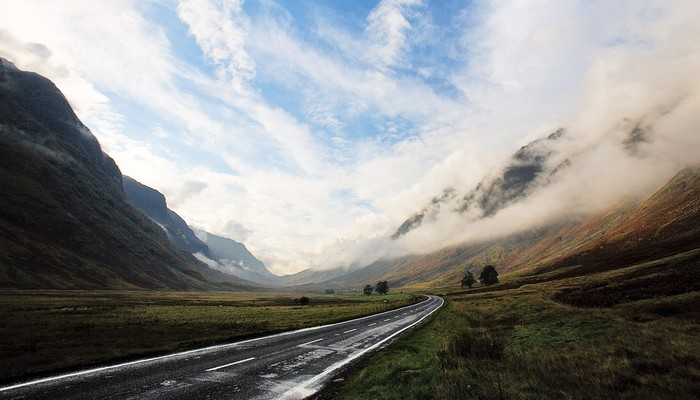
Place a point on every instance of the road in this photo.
(290, 365)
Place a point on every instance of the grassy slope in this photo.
(46, 331)
(538, 341)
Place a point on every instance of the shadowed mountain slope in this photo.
(153, 205)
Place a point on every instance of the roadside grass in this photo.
(51, 331)
(525, 343)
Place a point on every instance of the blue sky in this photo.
(310, 130)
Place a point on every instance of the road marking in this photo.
(387, 319)
(311, 385)
(230, 364)
(396, 316)
(351, 330)
(313, 341)
(372, 324)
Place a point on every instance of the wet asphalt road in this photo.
(290, 365)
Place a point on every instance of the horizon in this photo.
(310, 131)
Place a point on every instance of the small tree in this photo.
(330, 291)
(382, 287)
(489, 275)
(468, 280)
(368, 290)
(303, 300)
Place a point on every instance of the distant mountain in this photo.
(153, 205)
(219, 253)
(311, 277)
(234, 258)
(65, 222)
(528, 169)
(662, 229)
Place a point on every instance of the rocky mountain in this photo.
(152, 204)
(527, 169)
(65, 222)
(660, 230)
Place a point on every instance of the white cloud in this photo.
(220, 29)
(387, 26)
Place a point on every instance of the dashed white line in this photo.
(387, 319)
(313, 341)
(372, 324)
(230, 364)
(351, 330)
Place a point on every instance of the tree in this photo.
(488, 276)
(330, 291)
(368, 290)
(468, 280)
(382, 287)
(303, 300)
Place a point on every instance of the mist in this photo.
(635, 125)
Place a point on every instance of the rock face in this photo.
(65, 222)
(153, 205)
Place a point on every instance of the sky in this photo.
(310, 130)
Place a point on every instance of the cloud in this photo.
(386, 30)
(313, 136)
(220, 29)
(631, 130)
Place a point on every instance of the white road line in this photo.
(230, 364)
(351, 330)
(310, 386)
(372, 324)
(387, 319)
(313, 341)
(396, 316)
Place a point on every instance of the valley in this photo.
(329, 200)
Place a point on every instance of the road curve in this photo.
(289, 365)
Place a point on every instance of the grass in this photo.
(530, 342)
(46, 332)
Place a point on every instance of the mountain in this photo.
(65, 222)
(527, 169)
(152, 204)
(234, 258)
(663, 230)
(311, 277)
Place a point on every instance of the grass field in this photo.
(543, 341)
(48, 331)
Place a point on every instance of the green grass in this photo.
(524, 343)
(49, 331)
